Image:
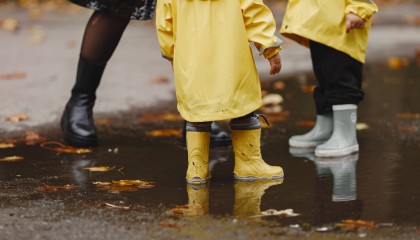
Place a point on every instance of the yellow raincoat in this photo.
(324, 21)
(208, 41)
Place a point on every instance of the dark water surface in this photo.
(380, 183)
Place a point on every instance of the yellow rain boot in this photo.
(198, 157)
(248, 197)
(198, 198)
(249, 165)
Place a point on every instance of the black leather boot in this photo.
(77, 121)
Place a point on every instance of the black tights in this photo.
(102, 35)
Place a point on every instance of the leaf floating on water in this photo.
(279, 213)
(17, 118)
(170, 223)
(124, 185)
(99, 169)
(158, 117)
(165, 133)
(115, 206)
(188, 210)
(6, 145)
(11, 159)
(308, 89)
(362, 126)
(57, 188)
(63, 148)
(355, 224)
(279, 85)
(408, 115)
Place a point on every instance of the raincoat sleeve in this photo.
(164, 28)
(260, 26)
(362, 8)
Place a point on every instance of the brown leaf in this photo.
(104, 121)
(160, 80)
(13, 75)
(418, 56)
(32, 138)
(165, 133)
(137, 183)
(279, 85)
(47, 188)
(158, 117)
(61, 148)
(123, 185)
(170, 223)
(115, 206)
(17, 118)
(11, 159)
(99, 169)
(407, 129)
(355, 224)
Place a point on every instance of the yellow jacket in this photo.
(324, 21)
(208, 40)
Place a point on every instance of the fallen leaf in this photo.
(137, 183)
(17, 118)
(272, 99)
(63, 148)
(362, 126)
(407, 129)
(170, 223)
(417, 56)
(102, 183)
(37, 35)
(6, 145)
(32, 138)
(123, 185)
(104, 121)
(99, 169)
(188, 210)
(115, 206)
(396, 63)
(160, 80)
(11, 159)
(9, 24)
(279, 213)
(13, 75)
(56, 188)
(305, 123)
(408, 115)
(279, 85)
(309, 89)
(158, 117)
(352, 225)
(165, 133)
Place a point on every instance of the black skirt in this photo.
(132, 9)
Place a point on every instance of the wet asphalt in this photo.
(377, 184)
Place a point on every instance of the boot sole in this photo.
(302, 144)
(197, 181)
(253, 178)
(337, 152)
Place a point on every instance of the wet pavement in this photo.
(378, 184)
(48, 194)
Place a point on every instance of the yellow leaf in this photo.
(187, 210)
(362, 126)
(6, 145)
(408, 115)
(157, 117)
(11, 159)
(396, 63)
(63, 148)
(99, 169)
(56, 188)
(165, 133)
(115, 206)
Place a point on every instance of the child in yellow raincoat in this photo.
(336, 33)
(216, 78)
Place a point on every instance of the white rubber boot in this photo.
(320, 133)
(343, 140)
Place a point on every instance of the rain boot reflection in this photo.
(198, 198)
(343, 170)
(248, 196)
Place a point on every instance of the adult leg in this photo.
(102, 35)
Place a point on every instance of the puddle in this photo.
(378, 184)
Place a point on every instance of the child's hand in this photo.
(353, 21)
(275, 64)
